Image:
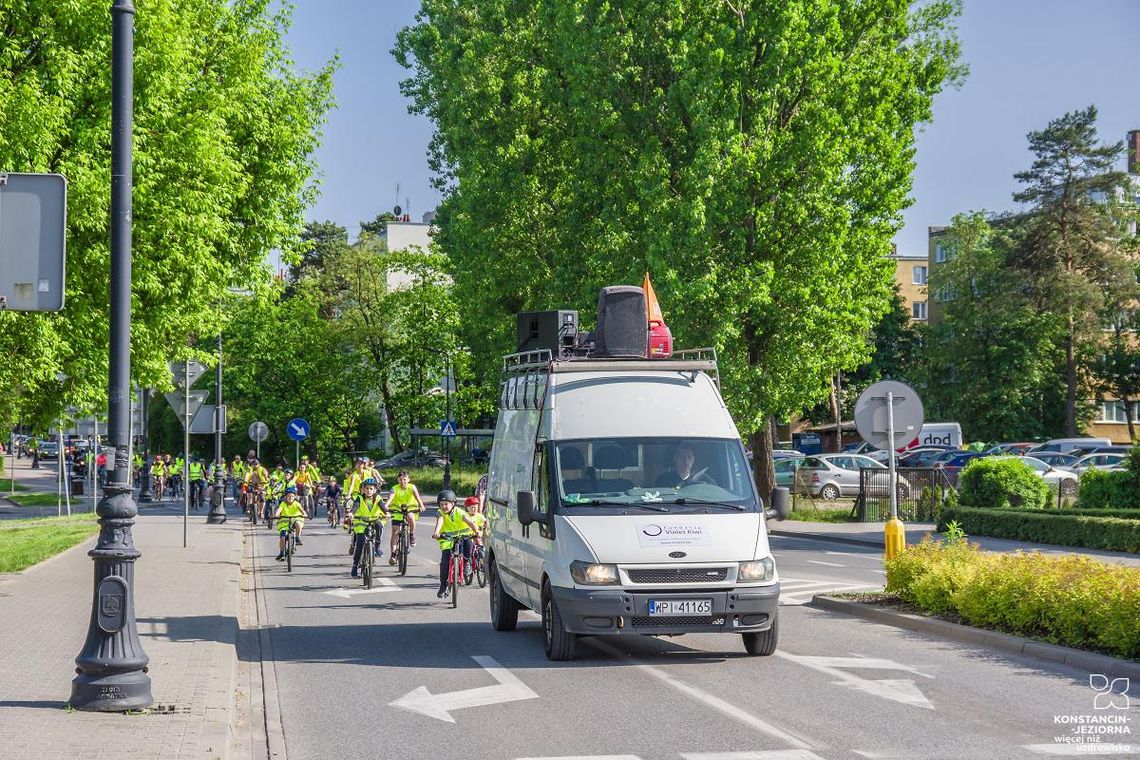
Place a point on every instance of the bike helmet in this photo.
(288, 470)
(471, 501)
(291, 489)
(446, 496)
(369, 482)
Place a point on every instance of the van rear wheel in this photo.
(763, 643)
(504, 608)
(558, 642)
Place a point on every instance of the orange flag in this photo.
(651, 305)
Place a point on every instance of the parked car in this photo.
(1057, 459)
(922, 457)
(829, 476)
(49, 449)
(1100, 461)
(1054, 477)
(1010, 448)
(786, 470)
(1113, 449)
(953, 464)
(1066, 445)
(413, 458)
(779, 454)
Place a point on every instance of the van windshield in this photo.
(663, 474)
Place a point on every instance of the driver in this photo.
(683, 472)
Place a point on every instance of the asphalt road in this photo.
(396, 673)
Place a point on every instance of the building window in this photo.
(918, 310)
(945, 293)
(941, 255)
(1113, 411)
(919, 277)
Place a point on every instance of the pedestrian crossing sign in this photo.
(447, 428)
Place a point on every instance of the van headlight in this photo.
(757, 570)
(592, 574)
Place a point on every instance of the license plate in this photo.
(664, 608)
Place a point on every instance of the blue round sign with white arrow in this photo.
(298, 429)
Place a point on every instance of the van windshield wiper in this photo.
(706, 503)
(630, 505)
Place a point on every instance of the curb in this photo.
(825, 537)
(1054, 653)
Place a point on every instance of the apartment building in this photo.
(910, 273)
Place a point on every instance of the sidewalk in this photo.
(186, 604)
(871, 534)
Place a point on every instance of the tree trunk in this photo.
(1070, 382)
(835, 414)
(763, 468)
(1127, 401)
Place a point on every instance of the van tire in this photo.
(763, 643)
(557, 641)
(504, 608)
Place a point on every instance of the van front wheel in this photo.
(558, 642)
(763, 643)
(504, 608)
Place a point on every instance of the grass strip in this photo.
(24, 543)
(38, 499)
(6, 486)
(822, 515)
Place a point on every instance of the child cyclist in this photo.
(474, 507)
(369, 508)
(451, 519)
(288, 508)
(404, 504)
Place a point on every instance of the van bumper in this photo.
(618, 611)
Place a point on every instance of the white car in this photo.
(1056, 478)
(829, 476)
(1100, 461)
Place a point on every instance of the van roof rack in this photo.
(533, 364)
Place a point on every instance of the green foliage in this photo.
(755, 163)
(24, 543)
(1068, 600)
(1108, 490)
(821, 515)
(430, 480)
(1082, 528)
(223, 138)
(1001, 482)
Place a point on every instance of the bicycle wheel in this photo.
(456, 577)
(366, 560)
(289, 543)
(402, 551)
(480, 569)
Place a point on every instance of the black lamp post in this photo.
(145, 493)
(218, 501)
(112, 667)
(447, 439)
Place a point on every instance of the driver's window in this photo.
(540, 482)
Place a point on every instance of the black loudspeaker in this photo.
(553, 330)
(623, 323)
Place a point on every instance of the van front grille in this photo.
(679, 575)
(676, 621)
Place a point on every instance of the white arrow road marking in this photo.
(585, 757)
(898, 690)
(509, 689)
(386, 584)
(700, 695)
(772, 754)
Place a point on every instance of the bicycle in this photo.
(371, 539)
(479, 565)
(455, 570)
(332, 511)
(403, 546)
(291, 543)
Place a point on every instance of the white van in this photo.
(621, 502)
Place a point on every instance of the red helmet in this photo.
(471, 501)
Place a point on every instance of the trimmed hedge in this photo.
(1101, 489)
(1069, 600)
(1002, 483)
(1060, 527)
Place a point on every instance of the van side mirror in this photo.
(780, 509)
(528, 513)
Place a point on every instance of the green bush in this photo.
(1060, 527)
(993, 483)
(1101, 489)
(1074, 601)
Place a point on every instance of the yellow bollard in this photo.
(894, 539)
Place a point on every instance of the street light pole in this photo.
(447, 439)
(217, 502)
(112, 667)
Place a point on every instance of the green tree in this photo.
(991, 360)
(223, 139)
(1075, 251)
(377, 226)
(319, 241)
(754, 158)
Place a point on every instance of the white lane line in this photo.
(585, 757)
(704, 697)
(828, 564)
(875, 557)
(796, 583)
(1085, 750)
(772, 754)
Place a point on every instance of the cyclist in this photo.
(237, 476)
(290, 507)
(368, 507)
(158, 475)
(404, 503)
(451, 519)
(333, 494)
(358, 476)
(306, 485)
(255, 479)
(474, 507)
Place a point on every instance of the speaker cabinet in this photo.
(623, 323)
(553, 330)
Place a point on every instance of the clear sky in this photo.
(1030, 61)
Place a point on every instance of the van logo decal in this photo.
(677, 555)
(652, 530)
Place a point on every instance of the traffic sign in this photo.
(178, 372)
(298, 429)
(33, 224)
(209, 420)
(871, 414)
(447, 428)
(258, 432)
(177, 401)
